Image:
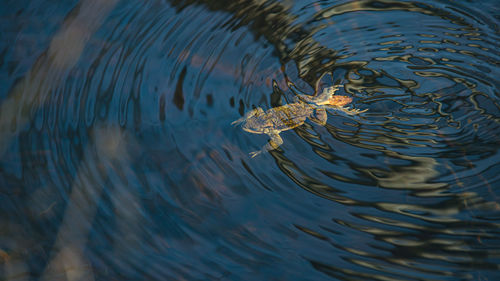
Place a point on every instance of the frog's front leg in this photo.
(330, 91)
(319, 116)
(351, 111)
(274, 143)
(253, 112)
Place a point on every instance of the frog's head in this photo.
(335, 101)
(328, 98)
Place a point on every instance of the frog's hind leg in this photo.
(274, 143)
(254, 112)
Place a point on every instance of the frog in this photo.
(286, 117)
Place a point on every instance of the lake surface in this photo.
(119, 162)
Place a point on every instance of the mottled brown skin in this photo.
(276, 120)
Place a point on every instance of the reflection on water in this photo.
(119, 160)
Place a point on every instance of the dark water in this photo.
(118, 160)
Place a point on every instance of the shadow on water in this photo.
(119, 160)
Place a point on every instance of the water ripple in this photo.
(119, 161)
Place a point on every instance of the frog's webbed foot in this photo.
(352, 111)
(273, 143)
(328, 92)
(249, 114)
(255, 153)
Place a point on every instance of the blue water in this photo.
(119, 162)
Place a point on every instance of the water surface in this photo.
(118, 160)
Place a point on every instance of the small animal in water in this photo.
(276, 120)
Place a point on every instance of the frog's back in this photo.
(288, 116)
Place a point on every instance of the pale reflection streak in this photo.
(109, 149)
(68, 262)
(50, 68)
